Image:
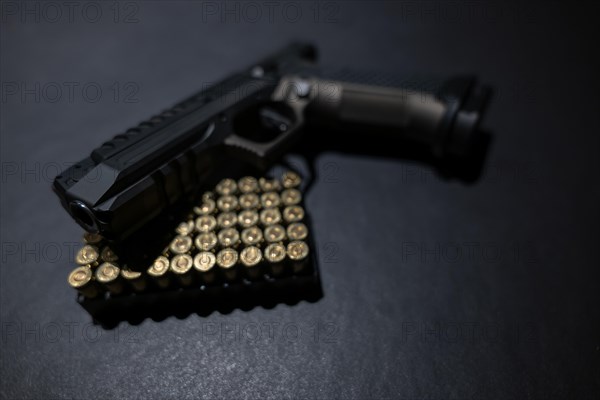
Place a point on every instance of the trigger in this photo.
(272, 120)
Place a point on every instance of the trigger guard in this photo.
(262, 154)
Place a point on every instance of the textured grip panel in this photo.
(412, 82)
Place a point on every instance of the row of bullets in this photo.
(242, 230)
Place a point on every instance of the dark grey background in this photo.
(437, 290)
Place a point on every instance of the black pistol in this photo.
(254, 117)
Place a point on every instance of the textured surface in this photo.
(432, 288)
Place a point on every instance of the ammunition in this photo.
(293, 214)
(181, 263)
(158, 272)
(250, 256)
(185, 228)
(228, 237)
(207, 207)
(226, 187)
(249, 201)
(252, 235)
(134, 279)
(227, 258)
(206, 241)
(275, 253)
(270, 216)
(108, 255)
(108, 275)
(227, 203)
(181, 244)
(92, 238)
(290, 197)
(290, 180)
(297, 231)
(81, 279)
(268, 185)
(205, 223)
(248, 184)
(87, 255)
(274, 233)
(204, 261)
(270, 199)
(247, 218)
(227, 219)
(208, 196)
(181, 266)
(297, 250)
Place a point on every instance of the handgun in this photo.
(254, 117)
